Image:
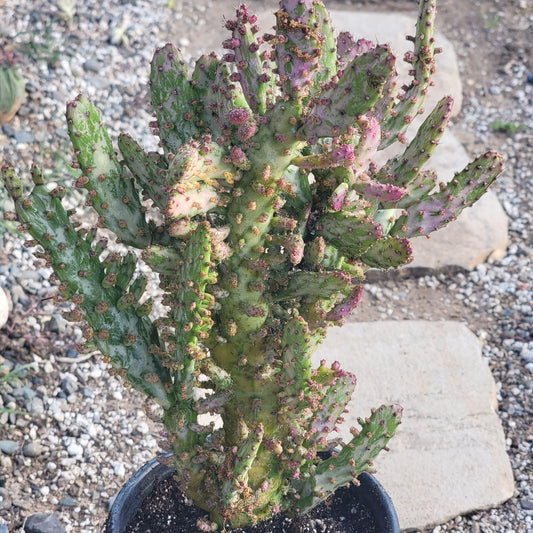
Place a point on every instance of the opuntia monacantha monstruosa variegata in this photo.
(271, 211)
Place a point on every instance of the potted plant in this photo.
(260, 215)
(12, 86)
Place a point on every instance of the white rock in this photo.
(119, 469)
(448, 456)
(75, 450)
(142, 428)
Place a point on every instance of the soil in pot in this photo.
(165, 510)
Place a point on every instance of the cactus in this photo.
(12, 86)
(261, 212)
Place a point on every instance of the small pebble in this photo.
(92, 65)
(119, 470)
(74, 450)
(8, 447)
(69, 385)
(43, 523)
(87, 392)
(23, 137)
(528, 356)
(32, 449)
(527, 505)
(67, 502)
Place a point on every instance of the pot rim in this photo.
(369, 492)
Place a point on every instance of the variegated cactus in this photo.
(271, 209)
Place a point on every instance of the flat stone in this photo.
(23, 137)
(67, 502)
(448, 456)
(92, 65)
(74, 450)
(69, 384)
(479, 234)
(4, 308)
(43, 523)
(32, 449)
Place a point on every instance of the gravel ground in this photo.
(79, 434)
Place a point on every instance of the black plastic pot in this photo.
(369, 495)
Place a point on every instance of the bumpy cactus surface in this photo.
(270, 209)
(12, 86)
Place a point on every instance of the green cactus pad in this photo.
(354, 94)
(352, 235)
(419, 188)
(190, 318)
(404, 168)
(335, 390)
(244, 459)
(195, 178)
(203, 79)
(172, 94)
(442, 207)
(304, 284)
(388, 252)
(423, 63)
(297, 346)
(256, 81)
(148, 174)
(12, 90)
(306, 55)
(119, 334)
(112, 195)
(357, 455)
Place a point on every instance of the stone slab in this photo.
(448, 456)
